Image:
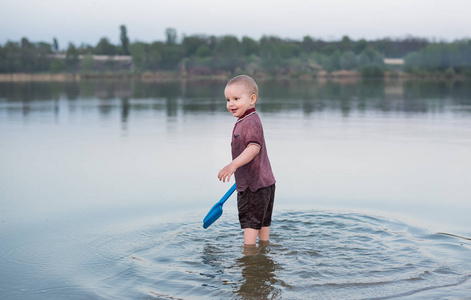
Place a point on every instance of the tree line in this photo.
(441, 58)
(209, 55)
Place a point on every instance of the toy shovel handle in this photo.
(227, 195)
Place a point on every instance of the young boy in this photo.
(250, 164)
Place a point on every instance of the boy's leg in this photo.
(250, 236)
(256, 206)
(264, 234)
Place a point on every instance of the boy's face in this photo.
(239, 100)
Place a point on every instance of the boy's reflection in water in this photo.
(257, 269)
(259, 274)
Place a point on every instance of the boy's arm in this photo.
(244, 158)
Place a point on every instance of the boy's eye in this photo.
(236, 98)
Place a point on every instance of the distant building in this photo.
(120, 58)
(394, 61)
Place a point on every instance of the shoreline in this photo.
(170, 76)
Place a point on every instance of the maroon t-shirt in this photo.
(257, 173)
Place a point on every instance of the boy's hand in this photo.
(244, 158)
(226, 173)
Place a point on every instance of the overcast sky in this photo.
(86, 21)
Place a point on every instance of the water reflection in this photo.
(192, 97)
(212, 256)
(259, 274)
(255, 267)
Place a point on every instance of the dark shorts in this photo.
(255, 208)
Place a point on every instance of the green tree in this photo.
(369, 55)
(228, 53)
(42, 56)
(412, 62)
(270, 57)
(85, 49)
(170, 56)
(431, 57)
(124, 40)
(87, 64)
(190, 44)
(360, 46)
(12, 59)
(440, 57)
(326, 62)
(104, 47)
(371, 63)
(203, 51)
(71, 58)
(329, 49)
(288, 50)
(171, 34)
(335, 57)
(372, 70)
(3, 58)
(348, 61)
(154, 55)
(138, 54)
(346, 44)
(308, 45)
(55, 45)
(250, 46)
(27, 55)
(381, 45)
(57, 66)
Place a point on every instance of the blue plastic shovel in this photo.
(216, 211)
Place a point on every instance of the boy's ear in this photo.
(253, 99)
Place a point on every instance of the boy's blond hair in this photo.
(249, 84)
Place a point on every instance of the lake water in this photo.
(104, 186)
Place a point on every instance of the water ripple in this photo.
(312, 254)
